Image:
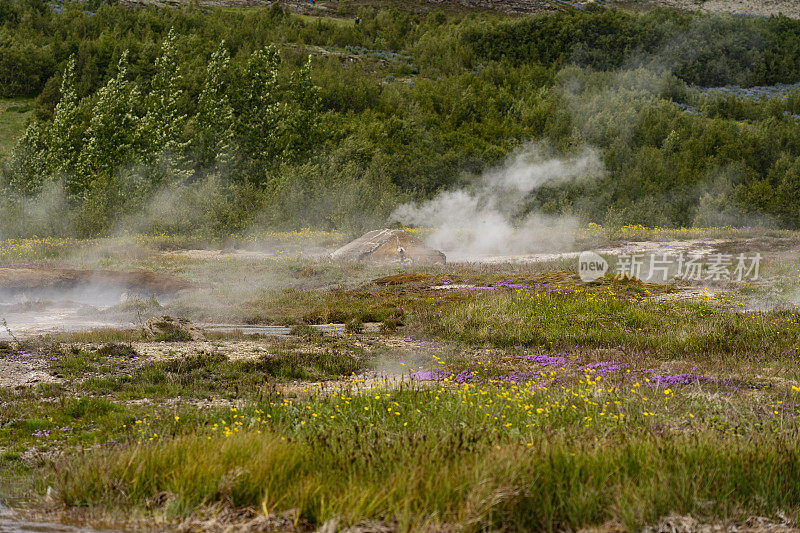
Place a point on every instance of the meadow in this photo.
(533, 402)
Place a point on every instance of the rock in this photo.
(167, 328)
(389, 246)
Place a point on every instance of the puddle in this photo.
(370, 327)
(55, 318)
(10, 524)
(37, 301)
(23, 326)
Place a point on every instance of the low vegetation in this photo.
(14, 115)
(474, 481)
(504, 406)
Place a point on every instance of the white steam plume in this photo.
(488, 219)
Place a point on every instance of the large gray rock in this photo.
(389, 246)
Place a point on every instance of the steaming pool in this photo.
(36, 301)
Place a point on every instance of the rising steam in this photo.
(489, 218)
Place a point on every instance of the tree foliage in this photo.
(178, 119)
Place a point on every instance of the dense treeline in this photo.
(176, 119)
(709, 51)
(36, 41)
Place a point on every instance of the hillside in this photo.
(223, 120)
(762, 8)
(347, 8)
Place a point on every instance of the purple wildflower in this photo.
(547, 360)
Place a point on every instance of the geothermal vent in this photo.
(95, 287)
(389, 246)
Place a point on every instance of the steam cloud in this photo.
(490, 219)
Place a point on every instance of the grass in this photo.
(637, 232)
(569, 320)
(316, 307)
(14, 115)
(554, 406)
(208, 375)
(519, 444)
(138, 247)
(478, 456)
(117, 370)
(550, 485)
(378, 302)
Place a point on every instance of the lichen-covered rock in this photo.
(389, 246)
(167, 328)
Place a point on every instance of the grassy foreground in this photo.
(419, 482)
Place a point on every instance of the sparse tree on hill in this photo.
(300, 128)
(110, 135)
(259, 108)
(65, 135)
(159, 138)
(214, 122)
(26, 167)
